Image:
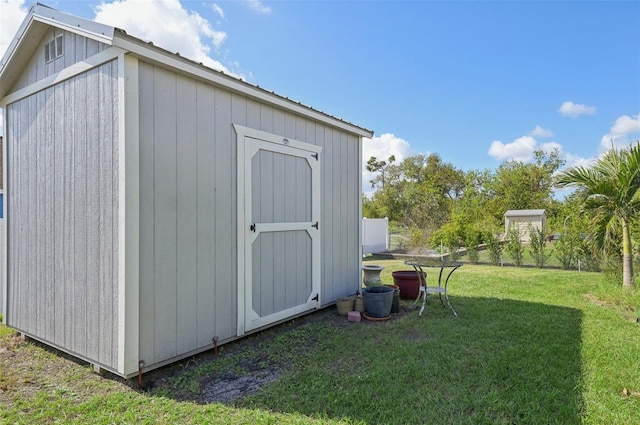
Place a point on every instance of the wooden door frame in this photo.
(244, 201)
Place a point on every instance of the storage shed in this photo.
(156, 207)
(522, 219)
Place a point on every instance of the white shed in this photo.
(155, 206)
(522, 219)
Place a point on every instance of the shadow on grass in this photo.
(501, 361)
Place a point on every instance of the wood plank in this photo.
(106, 242)
(59, 281)
(147, 223)
(165, 212)
(68, 214)
(39, 225)
(94, 308)
(229, 109)
(327, 215)
(80, 216)
(206, 263)
(116, 242)
(187, 230)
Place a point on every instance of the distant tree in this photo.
(379, 166)
(517, 185)
(610, 189)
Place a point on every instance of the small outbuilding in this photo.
(523, 219)
(156, 207)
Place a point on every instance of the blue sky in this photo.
(476, 82)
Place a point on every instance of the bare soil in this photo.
(28, 367)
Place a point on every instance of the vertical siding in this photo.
(76, 49)
(205, 268)
(187, 208)
(188, 236)
(62, 215)
(224, 218)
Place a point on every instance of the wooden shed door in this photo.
(281, 270)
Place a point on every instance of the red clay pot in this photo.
(408, 282)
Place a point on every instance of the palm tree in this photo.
(612, 195)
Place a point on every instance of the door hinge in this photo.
(316, 298)
(316, 225)
(253, 227)
(315, 155)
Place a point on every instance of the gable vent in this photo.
(53, 49)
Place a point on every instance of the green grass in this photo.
(530, 346)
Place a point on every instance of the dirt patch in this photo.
(27, 367)
(225, 389)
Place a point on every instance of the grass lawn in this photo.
(530, 346)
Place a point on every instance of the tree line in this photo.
(439, 203)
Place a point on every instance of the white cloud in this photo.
(168, 25)
(623, 132)
(626, 125)
(521, 149)
(382, 147)
(13, 13)
(541, 132)
(258, 6)
(572, 160)
(574, 110)
(216, 8)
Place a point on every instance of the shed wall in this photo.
(76, 49)
(188, 186)
(522, 223)
(62, 210)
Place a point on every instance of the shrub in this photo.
(473, 238)
(537, 245)
(566, 251)
(494, 246)
(514, 246)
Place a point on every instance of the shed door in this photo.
(281, 270)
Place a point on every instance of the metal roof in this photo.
(40, 17)
(520, 213)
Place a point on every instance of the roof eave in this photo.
(33, 27)
(159, 56)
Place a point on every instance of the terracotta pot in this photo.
(408, 282)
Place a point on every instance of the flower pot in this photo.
(372, 275)
(359, 304)
(395, 305)
(378, 300)
(408, 282)
(344, 305)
